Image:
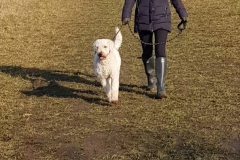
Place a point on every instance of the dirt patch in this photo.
(37, 147)
(102, 144)
(233, 146)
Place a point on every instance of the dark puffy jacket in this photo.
(152, 14)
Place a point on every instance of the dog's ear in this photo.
(94, 47)
(111, 45)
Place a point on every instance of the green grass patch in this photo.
(52, 106)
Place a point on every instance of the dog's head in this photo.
(102, 48)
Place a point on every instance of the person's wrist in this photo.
(125, 21)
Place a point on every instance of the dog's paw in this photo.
(114, 102)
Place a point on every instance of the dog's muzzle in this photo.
(101, 56)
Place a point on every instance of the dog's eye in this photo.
(104, 46)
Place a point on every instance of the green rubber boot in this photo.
(160, 68)
(149, 70)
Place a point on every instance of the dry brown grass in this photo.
(51, 107)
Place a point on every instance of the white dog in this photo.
(107, 62)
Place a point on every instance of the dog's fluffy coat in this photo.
(107, 62)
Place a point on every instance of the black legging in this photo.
(160, 37)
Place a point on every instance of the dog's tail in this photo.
(118, 38)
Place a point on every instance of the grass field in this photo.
(53, 108)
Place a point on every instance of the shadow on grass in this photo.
(54, 75)
(53, 89)
(45, 83)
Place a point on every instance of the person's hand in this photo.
(125, 21)
(184, 23)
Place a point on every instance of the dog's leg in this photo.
(109, 94)
(115, 89)
(107, 88)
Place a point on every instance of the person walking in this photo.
(153, 17)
